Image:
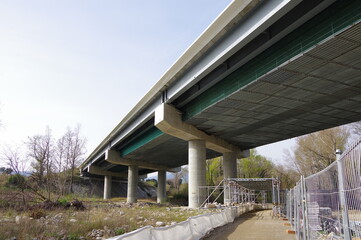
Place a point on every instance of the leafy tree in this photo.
(214, 172)
(152, 182)
(315, 151)
(255, 166)
(288, 176)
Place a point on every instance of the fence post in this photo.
(304, 208)
(273, 193)
(299, 209)
(294, 208)
(341, 191)
(278, 192)
(287, 202)
(291, 208)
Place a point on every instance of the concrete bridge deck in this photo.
(252, 226)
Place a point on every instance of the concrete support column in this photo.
(107, 186)
(161, 190)
(229, 171)
(197, 172)
(132, 184)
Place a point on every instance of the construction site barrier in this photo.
(191, 229)
(327, 204)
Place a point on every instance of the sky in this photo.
(88, 62)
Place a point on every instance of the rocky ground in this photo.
(98, 220)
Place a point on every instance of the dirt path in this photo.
(252, 226)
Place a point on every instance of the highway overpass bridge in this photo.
(262, 72)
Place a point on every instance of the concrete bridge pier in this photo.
(107, 186)
(132, 184)
(161, 189)
(197, 172)
(168, 120)
(229, 171)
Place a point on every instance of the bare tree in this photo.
(70, 153)
(61, 164)
(0, 119)
(54, 163)
(180, 177)
(356, 128)
(14, 159)
(41, 149)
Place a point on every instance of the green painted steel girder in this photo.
(140, 141)
(337, 17)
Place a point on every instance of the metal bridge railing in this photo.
(327, 205)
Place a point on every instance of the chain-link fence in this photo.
(327, 205)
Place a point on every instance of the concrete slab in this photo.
(253, 226)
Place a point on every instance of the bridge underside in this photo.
(315, 90)
(164, 150)
(306, 81)
(318, 89)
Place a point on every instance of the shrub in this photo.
(180, 196)
(183, 189)
(63, 201)
(16, 181)
(4, 204)
(73, 237)
(119, 231)
(152, 182)
(37, 214)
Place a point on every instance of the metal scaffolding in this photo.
(244, 190)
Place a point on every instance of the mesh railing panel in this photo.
(327, 205)
(351, 161)
(323, 204)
